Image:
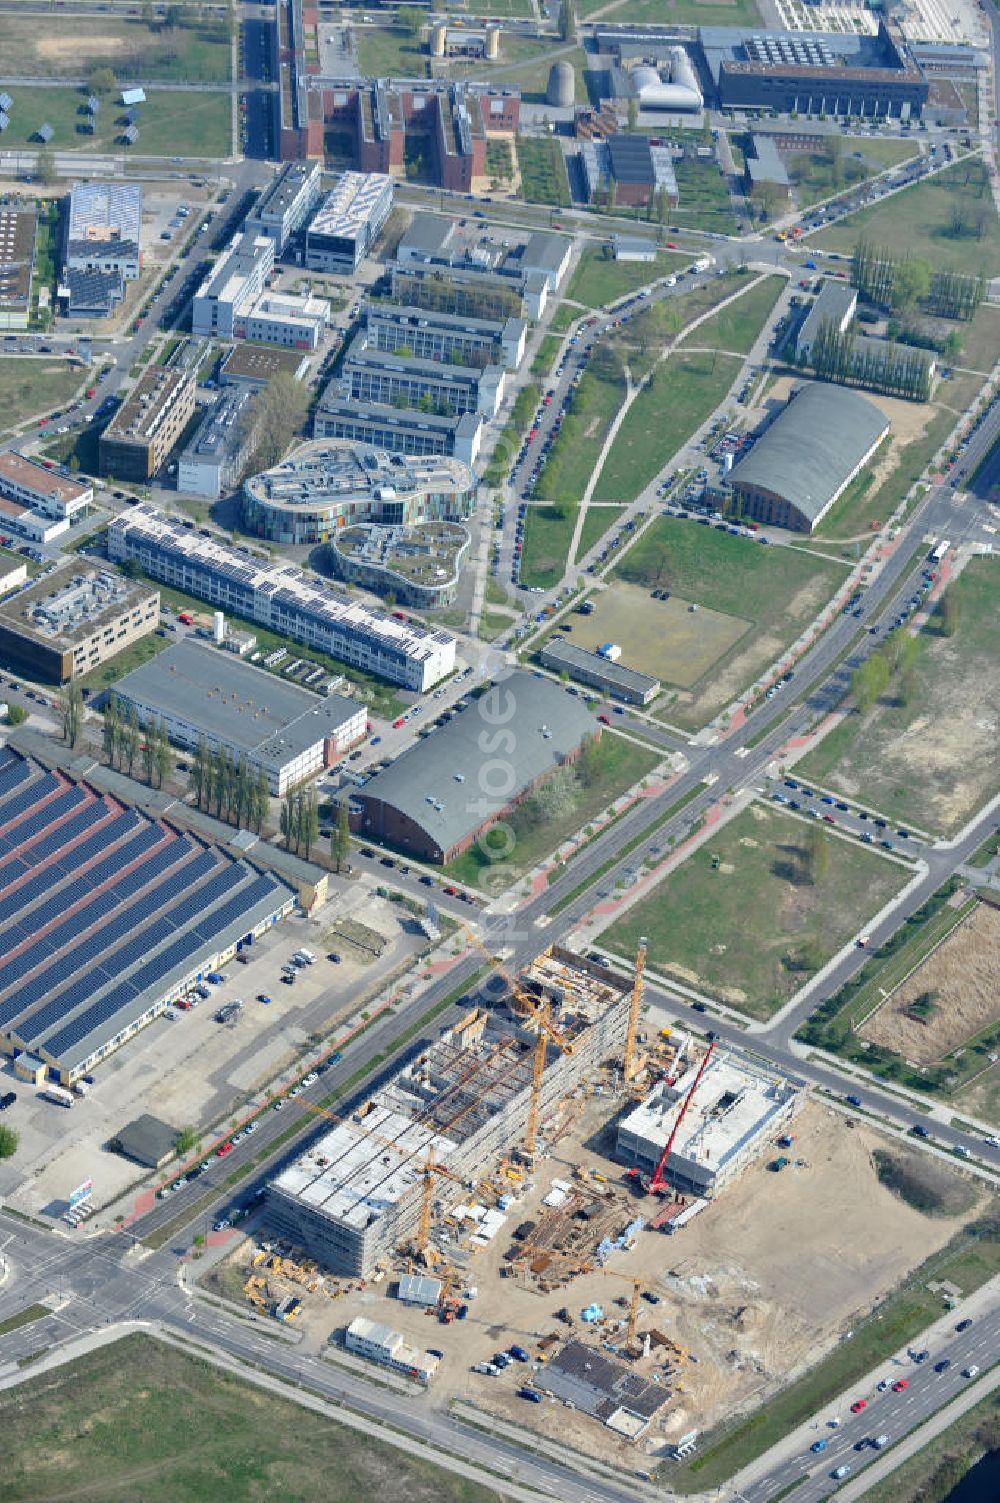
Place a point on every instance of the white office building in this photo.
(213, 461)
(380, 1343)
(286, 203)
(233, 285)
(348, 221)
(298, 323)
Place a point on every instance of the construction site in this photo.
(492, 1224)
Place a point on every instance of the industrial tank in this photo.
(561, 91)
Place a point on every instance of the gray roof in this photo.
(812, 447)
(438, 784)
(560, 654)
(147, 1140)
(235, 702)
(428, 235)
(396, 419)
(766, 166)
(544, 251)
(836, 302)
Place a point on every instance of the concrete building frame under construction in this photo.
(736, 1111)
(355, 1195)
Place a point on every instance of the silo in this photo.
(561, 91)
(493, 42)
(439, 37)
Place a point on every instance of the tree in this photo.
(283, 407)
(200, 771)
(567, 21)
(868, 681)
(71, 714)
(949, 613)
(287, 820)
(45, 165)
(16, 714)
(817, 856)
(130, 738)
(164, 755)
(8, 1141)
(633, 112)
(911, 282)
(102, 81)
(262, 800)
(148, 750)
(340, 836)
(110, 733)
(186, 1139)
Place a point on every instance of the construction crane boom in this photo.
(659, 1181)
(631, 1063)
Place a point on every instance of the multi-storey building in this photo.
(430, 335)
(51, 493)
(399, 430)
(58, 631)
(286, 203)
(348, 221)
(298, 323)
(233, 285)
(103, 228)
(18, 228)
(367, 375)
(282, 598)
(213, 461)
(146, 427)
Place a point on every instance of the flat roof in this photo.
(766, 166)
(258, 363)
(812, 447)
(18, 469)
(436, 783)
(252, 710)
(105, 211)
(335, 405)
(281, 193)
(349, 207)
(326, 470)
(137, 418)
(360, 353)
(834, 303)
(61, 609)
(458, 323)
(224, 428)
(428, 235)
(235, 266)
(558, 653)
(18, 223)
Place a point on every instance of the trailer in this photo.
(58, 1095)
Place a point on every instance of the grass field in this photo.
(596, 523)
(935, 759)
(920, 218)
(736, 327)
(35, 386)
(24, 1317)
(753, 928)
(704, 195)
(618, 764)
(599, 279)
(116, 1415)
(938, 1466)
(778, 590)
(968, 1260)
(543, 171)
(195, 123)
(544, 360)
(681, 394)
(664, 638)
(130, 48)
(676, 12)
(525, 65)
(389, 52)
(817, 175)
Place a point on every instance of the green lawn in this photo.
(131, 657)
(509, 441)
(548, 532)
(30, 386)
(548, 349)
(936, 1469)
(617, 765)
(780, 590)
(819, 175)
(704, 201)
(921, 219)
(130, 48)
(543, 171)
(195, 123)
(735, 328)
(24, 1317)
(968, 1261)
(598, 520)
(524, 64)
(681, 395)
(600, 279)
(390, 53)
(935, 759)
(752, 931)
(120, 1411)
(675, 12)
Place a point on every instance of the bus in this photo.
(938, 552)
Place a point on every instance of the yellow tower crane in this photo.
(631, 1059)
(633, 1305)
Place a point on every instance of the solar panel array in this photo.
(130, 907)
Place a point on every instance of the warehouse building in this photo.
(104, 228)
(599, 671)
(282, 598)
(445, 792)
(144, 430)
(214, 460)
(807, 457)
(64, 626)
(202, 694)
(764, 172)
(50, 493)
(399, 430)
(18, 230)
(429, 335)
(286, 203)
(327, 483)
(642, 173)
(836, 305)
(282, 318)
(233, 285)
(355, 1194)
(738, 1110)
(106, 915)
(367, 375)
(418, 564)
(347, 222)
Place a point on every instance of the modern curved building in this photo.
(328, 484)
(418, 565)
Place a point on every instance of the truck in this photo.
(58, 1095)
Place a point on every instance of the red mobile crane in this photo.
(658, 1183)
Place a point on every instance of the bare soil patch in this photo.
(960, 979)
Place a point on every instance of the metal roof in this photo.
(558, 653)
(812, 447)
(443, 784)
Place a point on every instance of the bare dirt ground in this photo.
(908, 419)
(662, 637)
(760, 1283)
(962, 976)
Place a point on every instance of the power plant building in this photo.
(355, 1194)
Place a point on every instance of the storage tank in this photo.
(218, 627)
(561, 91)
(493, 42)
(439, 35)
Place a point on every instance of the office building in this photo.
(807, 457)
(298, 323)
(18, 230)
(399, 430)
(438, 796)
(367, 375)
(735, 1115)
(347, 222)
(599, 671)
(104, 228)
(233, 285)
(283, 599)
(286, 203)
(51, 493)
(429, 335)
(13, 574)
(327, 484)
(213, 461)
(354, 1195)
(106, 915)
(418, 564)
(389, 1348)
(148, 424)
(201, 694)
(64, 626)
(466, 292)
(254, 365)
